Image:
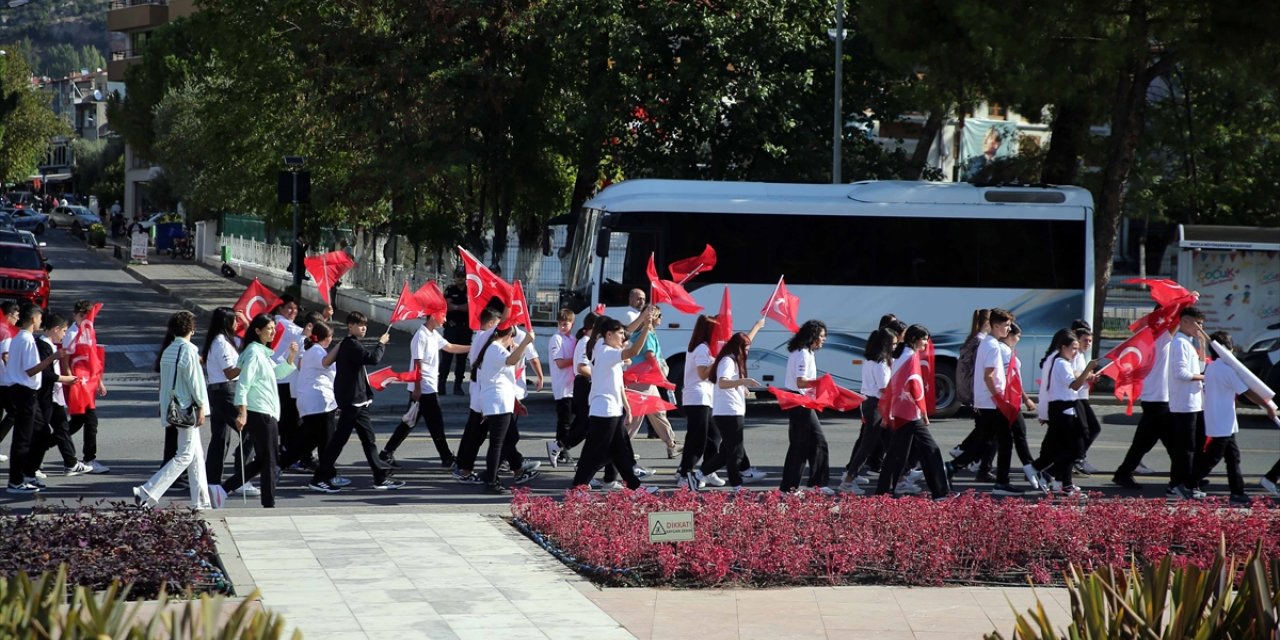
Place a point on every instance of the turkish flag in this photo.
(683, 271)
(408, 306)
(929, 377)
(1009, 402)
(482, 286)
(835, 396)
(431, 299)
(669, 292)
(643, 405)
(647, 372)
(788, 399)
(905, 392)
(256, 299)
(519, 309)
(1132, 361)
(87, 365)
(599, 309)
(1171, 297)
(783, 307)
(722, 330)
(326, 269)
(382, 377)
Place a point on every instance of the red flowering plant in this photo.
(770, 538)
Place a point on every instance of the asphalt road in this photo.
(130, 436)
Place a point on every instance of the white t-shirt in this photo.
(4, 348)
(497, 381)
(22, 356)
(561, 347)
(292, 334)
(606, 381)
(988, 358)
(222, 356)
(477, 343)
(1221, 386)
(580, 354)
(697, 392)
(521, 372)
(729, 402)
(875, 377)
(425, 347)
(1155, 387)
(314, 384)
(1061, 375)
(1185, 395)
(800, 364)
(1078, 364)
(630, 316)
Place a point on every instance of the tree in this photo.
(26, 121)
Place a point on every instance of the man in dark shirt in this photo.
(354, 394)
(456, 331)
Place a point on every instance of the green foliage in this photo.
(37, 608)
(26, 121)
(64, 58)
(1229, 599)
(58, 37)
(99, 168)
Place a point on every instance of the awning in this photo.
(52, 177)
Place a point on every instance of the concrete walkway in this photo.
(353, 576)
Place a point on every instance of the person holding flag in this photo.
(877, 361)
(317, 405)
(220, 356)
(729, 408)
(257, 399)
(289, 335)
(85, 418)
(1186, 401)
(8, 327)
(1093, 427)
(1015, 399)
(908, 421)
(1061, 406)
(53, 400)
(495, 372)
(806, 441)
(1155, 424)
(658, 419)
(989, 382)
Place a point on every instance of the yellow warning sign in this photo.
(671, 526)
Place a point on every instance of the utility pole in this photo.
(837, 127)
(295, 189)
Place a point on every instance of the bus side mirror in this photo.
(602, 243)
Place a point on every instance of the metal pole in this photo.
(837, 127)
(297, 259)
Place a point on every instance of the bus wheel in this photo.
(948, 403)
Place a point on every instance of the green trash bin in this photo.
(226, 254)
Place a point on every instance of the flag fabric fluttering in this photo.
(783, 307)
(669, 292)
(643, 405)
(519, 309)
(928, 375)
(326, 269)
(408, 306)
(382, 377)
(432, 300)
(482, 285)
(723, 328)
(256, 299)
(1132, 360)
(905, 392)
(684, 270)
(647, 372)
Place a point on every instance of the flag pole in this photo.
(765, 312)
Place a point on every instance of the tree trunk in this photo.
(1066, 142)
(924, 143)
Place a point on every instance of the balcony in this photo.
(120, 62)
(136, 15)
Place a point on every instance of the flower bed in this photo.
(768, 538)
(148, 548)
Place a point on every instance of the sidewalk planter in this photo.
(768, 538)
(97, 236)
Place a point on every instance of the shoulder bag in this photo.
(176, 414)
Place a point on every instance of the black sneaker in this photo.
(496, 489)
(448, 462)
(1240, 500)
(1006, 490)
(1125, 481)
(565, 458)
(526, 476)
(323, 487)
(389, 485)
(389, 459)
(457, 390)
(949, 468)
(24, 488)
(504, 467)
(984, 477)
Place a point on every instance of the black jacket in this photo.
(350, 380)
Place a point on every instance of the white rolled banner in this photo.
(1250, 380)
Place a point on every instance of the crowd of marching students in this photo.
(295, 394)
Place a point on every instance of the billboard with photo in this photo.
(983, 142)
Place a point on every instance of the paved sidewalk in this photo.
(353, 576)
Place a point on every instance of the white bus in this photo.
(930, 253)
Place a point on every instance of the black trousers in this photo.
(731, 449)
(429, 412)
(697, 433)
(222, 424)
(564, 417)
(88, 422)
(22, 401)
(607, 441)
(913, 441)
(60, 423)
(474, 435)
(265, 433)
(6, 413)
(1019, 432)
(869, 448)
(351, 419)
(993, 427)
(807, 443)
(1061, 446)
(713, 447)
(42, 436)
(291, 438)
(317, 432)
(1092, 427)
(1154, 426)
(1274, 474)
(1213, 452)
(1187, 430)
(581, 408)
(498, 425)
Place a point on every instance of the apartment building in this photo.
(136, 20)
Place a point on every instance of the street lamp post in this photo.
(837, 126)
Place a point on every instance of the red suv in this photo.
(24, 277)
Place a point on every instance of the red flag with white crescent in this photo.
(1131, 361)
(519, 309)
(1009, 403)
(647, 372)
(722, 330)
(255, 300)
(431, 298)
(408, 306)
(783, 307)
(482, 286)
(905, 392)
(669, 292)
(928, 375)
(643, 405)
(684, 270)
(326, 269)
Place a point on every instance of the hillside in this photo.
(57, 36)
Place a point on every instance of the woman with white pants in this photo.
(182, 377)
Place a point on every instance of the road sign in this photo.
(671, 526)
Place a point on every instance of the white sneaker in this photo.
(338, 481)
(40, 474)
(247, 489)
(753, 475)
(642, 472)
(702, 480)
(862, 480)
(715, 480)
(78, 468)
(826, 491)
(616, 485)
(4, 458)
(908, 488)
(1270, 486)
(956, 451)
(1143, 470)
(1033, 476)
(852, 487)
(1087, 467)
(595, 484)
(98, 467)
(974, 466)
(914, 476)
(553, 454)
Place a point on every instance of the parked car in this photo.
(24, 276)
(6, 219)
(13, 236)
(71, 215)
(151, 220)
(1262, 355)
(21, 199)
(29, 219)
